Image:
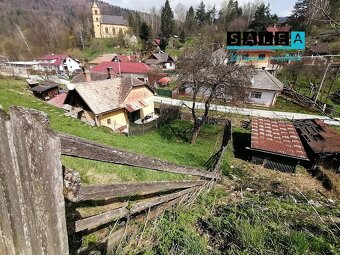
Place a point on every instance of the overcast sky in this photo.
(280, 7)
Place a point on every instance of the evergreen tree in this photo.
(167, 20)
(190, 20)
(263, 18)
(182, 37)
(144, 34)
(298, 17)
(200, 14)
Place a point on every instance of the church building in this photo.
(107, 26)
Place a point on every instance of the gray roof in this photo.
(114, 20)
(106, 95)
(159, 58)
(266, 81)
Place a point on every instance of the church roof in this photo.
(114, 20)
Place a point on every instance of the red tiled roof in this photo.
(58, 100)
(124, 67)
(276, 136)
(164, 80)
(53, 56)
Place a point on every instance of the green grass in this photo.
(285, 105)
(162, 143)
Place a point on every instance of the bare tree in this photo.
(180, 12)
(323, 11)
(208, 80)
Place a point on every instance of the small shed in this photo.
(275, 144)
(46, 90)
(322, 142)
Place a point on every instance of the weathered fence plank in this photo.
(78, 147)
(103, 218)
(31, 186)
(108, 243)
(101, 192)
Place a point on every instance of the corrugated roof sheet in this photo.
(106, 95)
(276, 136)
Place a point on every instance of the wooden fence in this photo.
(34, 184)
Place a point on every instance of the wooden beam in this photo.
(109, 242)
(78, 147)
(103, 218)
(101, 192)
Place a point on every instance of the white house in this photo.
(58, 63)
(264, 88)
(162, 60)
(263, 91)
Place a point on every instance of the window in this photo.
(256, 94)
(107, 30)
(97, 19)
(262, 56)
(95, 12)
(108, 121)
(113, 30)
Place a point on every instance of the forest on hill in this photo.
(34, 27)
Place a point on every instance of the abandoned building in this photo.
(45, 90)
(114, 103)
(275, 144)
(322, 143)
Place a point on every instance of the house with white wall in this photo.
(265, 88)
(58, 63)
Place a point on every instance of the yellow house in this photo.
(258, 58)
(114, 103)
(107, 26)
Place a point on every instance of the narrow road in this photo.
(250, 112)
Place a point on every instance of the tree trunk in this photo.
(195, 134)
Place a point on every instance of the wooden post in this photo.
(32, 212)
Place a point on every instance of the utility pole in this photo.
(322, 81)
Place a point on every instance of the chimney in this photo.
(87, 75)
(109, 72)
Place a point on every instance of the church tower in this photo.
(96, 20)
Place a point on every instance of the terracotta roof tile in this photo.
(276, 136)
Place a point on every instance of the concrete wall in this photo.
(268, 97)
(116, 118)
(72, 65)
(109, 31)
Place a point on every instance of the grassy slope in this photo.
(161, 144)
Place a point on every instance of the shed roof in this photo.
(277, 137)
(106, 95)
(266, 81)
(159, 58)
(320, 137)
(58, 100)
(114, 20)
(103, 58)
(43, 88)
